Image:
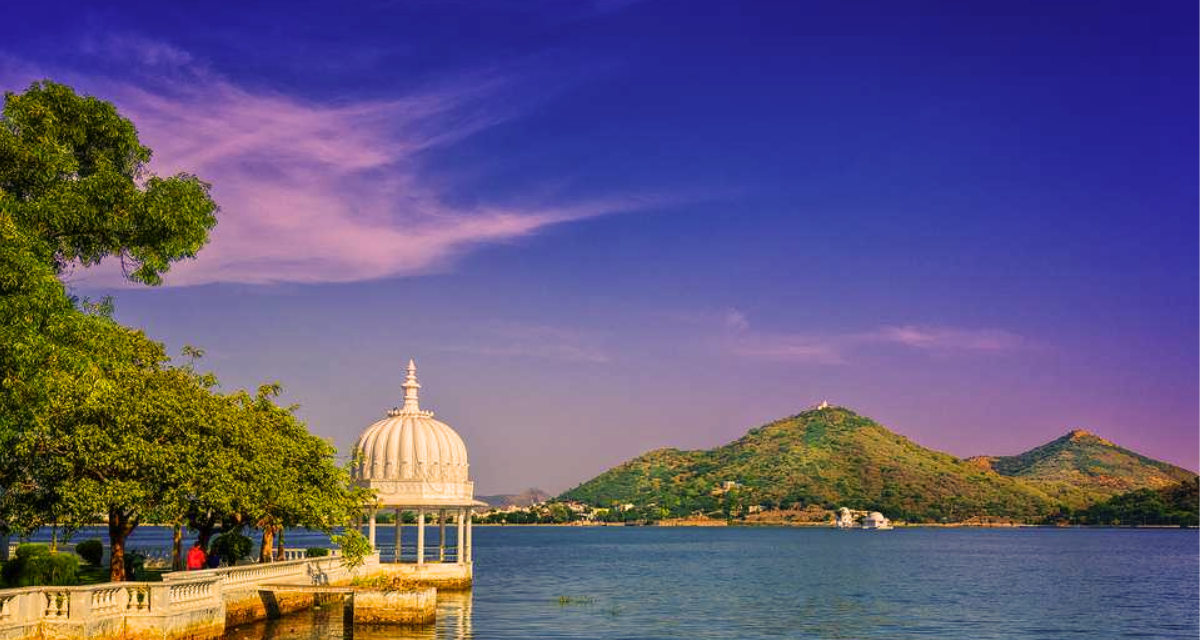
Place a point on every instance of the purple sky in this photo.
(604, 228)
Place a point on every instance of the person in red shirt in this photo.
(196, 557)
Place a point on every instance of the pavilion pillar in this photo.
(371, 530)
(420, 536)
(470, 517)
(399, 524)
(460, 522)
(441, 535)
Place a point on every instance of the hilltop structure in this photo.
(419, 464)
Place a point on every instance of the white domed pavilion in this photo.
(419, 464)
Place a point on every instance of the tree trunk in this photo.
(204, 535)
(204, 526)
(177, 548)
(268, 543)
(120, 525)
(279, 554)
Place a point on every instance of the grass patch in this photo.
(385, 582)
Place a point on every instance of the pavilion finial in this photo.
(410, 388)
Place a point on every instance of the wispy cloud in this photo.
(946, 338)
(316, 192)
(136, 49)
(736, 320)
(839, 348)
(533, 341)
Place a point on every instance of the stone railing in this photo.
(299, 554)
(25, 612)
(185, 604)
(120, 598)
(302, 571)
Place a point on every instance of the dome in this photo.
(410, 458)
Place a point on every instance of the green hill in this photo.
(829, 457)
(1081, 467)
(834, 457)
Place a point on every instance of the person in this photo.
(196, 557)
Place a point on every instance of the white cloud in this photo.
(838, 348)
(318, 192)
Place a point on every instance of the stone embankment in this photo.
(192, 604)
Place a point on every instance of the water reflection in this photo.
(325, 623)
(453, 623)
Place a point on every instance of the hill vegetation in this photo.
(834, 457)
(1173, 505)
(1082, 468)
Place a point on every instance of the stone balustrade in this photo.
(191, 604)
(112, 609)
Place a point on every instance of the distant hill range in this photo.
(524, 499)
(834, 457)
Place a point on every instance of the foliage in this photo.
(35, 565)
(92, 551)
(73, 172)
(1175, 505)
(296, 479)
(74, 190)
(134, 565)
(1081, 468)
(96, 422)
(316, 552)
(232, 547)
(31, 550)
(385, 582)
(355, 548)
(824, 457)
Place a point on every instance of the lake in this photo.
(647, 582)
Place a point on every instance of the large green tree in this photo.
(74, 178)
(75, 189)
(95, 420)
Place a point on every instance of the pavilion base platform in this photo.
(376, 607)
(443, 576)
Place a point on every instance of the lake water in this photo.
(745, 583)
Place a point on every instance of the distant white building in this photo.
(875, 520)
(845, 519)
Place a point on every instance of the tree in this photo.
(73, 176)
(74, 189)
(95, 421)
(295, 478)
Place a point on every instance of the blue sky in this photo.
(612, 226)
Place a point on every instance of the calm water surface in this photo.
(810, 583)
